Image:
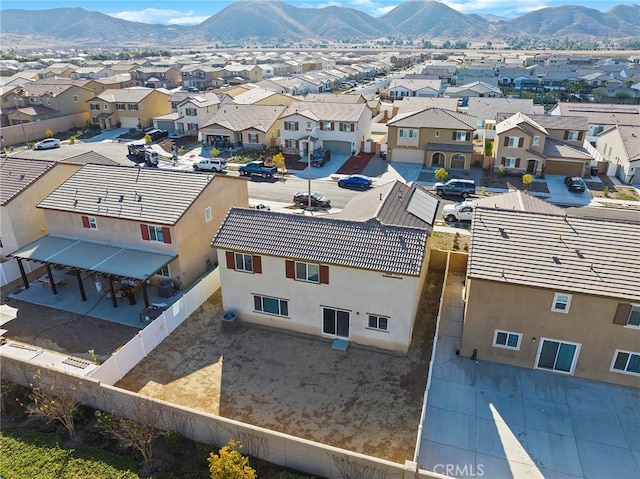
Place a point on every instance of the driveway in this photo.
(560, 195)
(500, 421)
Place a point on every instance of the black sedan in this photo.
(317, 200)
(359, 182)
(575, 183)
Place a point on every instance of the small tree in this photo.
(441, 174)
(527, 179)
(278, 160)
(48, 133)
(147, 139)
(51, 403)
(230, 464)
(214, 152)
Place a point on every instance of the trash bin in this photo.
(594, 171)
(166, 288)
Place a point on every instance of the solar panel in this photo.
(423, 205)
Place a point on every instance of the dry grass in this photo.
(450, 241)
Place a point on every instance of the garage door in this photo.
(342, 148)
(567, 168)
(407, 155)
(129, 122)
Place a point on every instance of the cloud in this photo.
(160, 16)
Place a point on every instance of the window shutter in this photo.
(566, 134)
(503, 160)
(580, 135)
(340, 125)
(468, 136)
(231, 260)
(517, 163)
(296, 123)
(506, 141)
(324, 274)
(85, 221)
(453, 135)
(290, 269)
(520, 142)
(166, 235)
(145, 232)
(622, 314)
(257, 264)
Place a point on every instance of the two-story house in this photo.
(305, 274)
(249, 126)
(128, 107)
(620, 146)
(156, 77)
(195, 111)
(200, 77)
(339, 127)
(434, 137)
(119, 80)
(142, 224)
(542, 144)
(545, 291)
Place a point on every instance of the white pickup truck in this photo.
(458, 212)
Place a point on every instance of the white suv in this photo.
(211, 164)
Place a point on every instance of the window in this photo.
(408, 133)
(132, 107)
(627, 315)
(557, 356)
(164, 272)
(156, 234)
(626, 362)
(573, 135)
(561, 303)
(95, 120)
(291, 143)
(252, 137)
(76, 99)
(190, 112)
(506, 339)
(461, 136)
(510, 163)
(309, 126)
(535, 141)
(326, 125)
(634, 316)
(381, 323)
(244, 262)
(94, 107)
(513, 142)
(291, 125)
(346, 127)
(106, 107)
(335, 322)
(437, 133)
(266, 304)
(308, 272)
(89, 222)
(120, 106)
(207, 214)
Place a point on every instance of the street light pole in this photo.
(24, 133)
(309, 169)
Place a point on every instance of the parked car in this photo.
(320, 157)
(458, 212)
(210, 164)
(260, 206)
(463, 188)
(359, 182)
(317, 200)
(47, 144)
(136, 148)
(575, 183)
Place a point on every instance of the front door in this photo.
(335, 322)
(531, 166)
(559, 356)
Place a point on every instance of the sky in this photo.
(192, 12)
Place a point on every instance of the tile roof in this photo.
(366, 245)
(559, 149)
(487, 108)
(631, 141)
(389, 204)
(133, 94)
(242, 117)
(90, 157)
(582, 255)
(517, 200)
(320, 111)
(601, 114)
(16, 174)
(436, 118)
(125, 192)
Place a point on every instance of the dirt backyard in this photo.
(365, 400)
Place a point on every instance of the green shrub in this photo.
(72, 140)
(605, 191)
(48, 133)
(502, 170)
(441, 174)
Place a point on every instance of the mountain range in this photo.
(259, 22)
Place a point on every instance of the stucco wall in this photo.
(526, 310)
(394, 297)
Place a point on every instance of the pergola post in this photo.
(52, 283)
(114, 300)
(80, 285)
(25, 281)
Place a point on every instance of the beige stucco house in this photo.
(142, 224)
(620, 146)
(128, 107)
(306, 273)
(554, 293)
(542, 144)
(434, 138)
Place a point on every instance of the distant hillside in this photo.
(268, 22)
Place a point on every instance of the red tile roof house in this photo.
(338, 278)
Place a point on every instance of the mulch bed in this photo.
(355, 164)
(294, 163)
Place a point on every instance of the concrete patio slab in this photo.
(601, 461)
(583, 394)
(554, 452)
(547, 416)
(452, 396)
(491, 438)
(547, 387)
(601, 428)
(451, 428)
(439, 456)
(499, 406)
(498, 377)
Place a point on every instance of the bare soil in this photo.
(365, 400)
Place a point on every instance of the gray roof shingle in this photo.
(16, 174)
(582, 255)
(365, 245)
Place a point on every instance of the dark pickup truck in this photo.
(320, 157)
(257, 168)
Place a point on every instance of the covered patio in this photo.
(102, 280)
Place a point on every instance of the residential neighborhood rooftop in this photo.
(16, 174)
